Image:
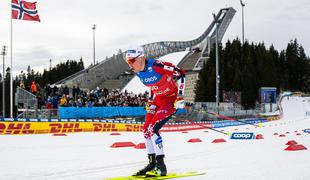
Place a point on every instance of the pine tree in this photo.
(248, 67)
(249, 89)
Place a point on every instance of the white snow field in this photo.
(88, 156)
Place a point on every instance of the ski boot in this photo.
(160, 169)
(149, 167)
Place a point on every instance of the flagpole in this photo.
(11, 69)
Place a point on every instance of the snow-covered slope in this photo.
(295, 107)
(88, 156)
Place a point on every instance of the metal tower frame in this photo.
(97, 74)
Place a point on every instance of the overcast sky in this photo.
(65, 31)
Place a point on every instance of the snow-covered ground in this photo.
(88, 156)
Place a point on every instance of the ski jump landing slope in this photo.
(295, 107)
(88, 156)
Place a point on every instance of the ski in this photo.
(169, 176)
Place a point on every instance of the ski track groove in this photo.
(79, 173)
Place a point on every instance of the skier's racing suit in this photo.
(160, 76)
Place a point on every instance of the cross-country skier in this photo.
(165, 97)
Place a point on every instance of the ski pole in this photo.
(207, 127)
(234, 119)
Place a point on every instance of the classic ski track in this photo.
(82, 172)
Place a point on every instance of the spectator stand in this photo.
(26, 103)
(46, 102)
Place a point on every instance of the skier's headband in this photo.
(135, 52)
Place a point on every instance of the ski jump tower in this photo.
(114, 69)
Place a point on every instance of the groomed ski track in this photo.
(81, 156)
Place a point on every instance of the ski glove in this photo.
(149, 106)
(179, 103)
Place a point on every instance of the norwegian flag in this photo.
(24, 10)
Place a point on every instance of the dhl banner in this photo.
(18, 128)
(21, 127)
(273, 118)
(64, 127)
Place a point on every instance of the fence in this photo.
(26, 102)
(27, 108)
(199, 111)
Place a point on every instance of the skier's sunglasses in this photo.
(132, 60)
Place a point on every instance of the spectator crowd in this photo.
(51, 97)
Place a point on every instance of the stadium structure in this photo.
(114, 73)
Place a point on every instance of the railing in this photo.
(39, 113)
(48, 113)
(26, 103)
(24, 96)
(200, 111)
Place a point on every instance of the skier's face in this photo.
(136, 64)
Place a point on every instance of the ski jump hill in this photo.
(295, 108)
(114, 73)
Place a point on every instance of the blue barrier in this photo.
(131, 111)
(220, 124)
(180, 111)
(99, 112)
(103, 112)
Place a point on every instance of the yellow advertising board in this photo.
(11, 128)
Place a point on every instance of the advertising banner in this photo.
(103, 112)
(242, 135)
(19, 128)
(11, 128)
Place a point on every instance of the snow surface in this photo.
(88, 156)
(136, 86)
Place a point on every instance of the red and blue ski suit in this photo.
(160, 77)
